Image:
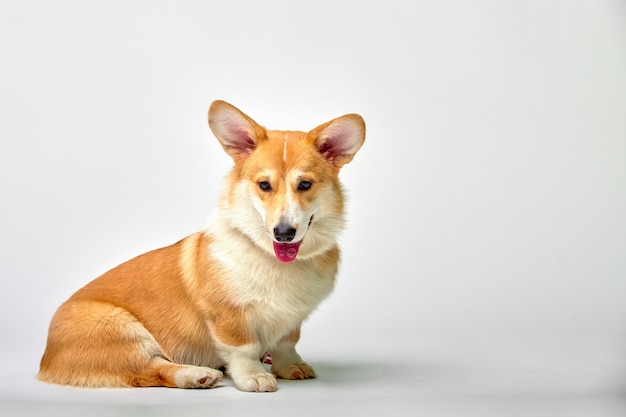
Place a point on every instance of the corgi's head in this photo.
(283, 192)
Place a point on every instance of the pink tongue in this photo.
(286, 252)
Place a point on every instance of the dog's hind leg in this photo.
(98, 344)
(162, 372)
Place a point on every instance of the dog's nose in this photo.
(284, 232)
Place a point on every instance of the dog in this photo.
(220, 299)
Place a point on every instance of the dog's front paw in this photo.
(263, 382)
(301, 370)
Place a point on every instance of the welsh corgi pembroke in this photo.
(222, 298)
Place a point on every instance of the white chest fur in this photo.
(276, 296)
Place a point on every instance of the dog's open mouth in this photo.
(288, 251)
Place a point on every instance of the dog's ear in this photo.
(238, 133)
(340, 139)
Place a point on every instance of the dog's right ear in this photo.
(238, 133)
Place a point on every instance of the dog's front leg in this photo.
(245, 368)
(286, 363)
(239, 347)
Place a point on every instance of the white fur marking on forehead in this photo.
(285, 149)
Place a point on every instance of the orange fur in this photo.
(218, 298)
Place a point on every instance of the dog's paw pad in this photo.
(197, 377)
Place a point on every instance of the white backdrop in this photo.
(488, 203)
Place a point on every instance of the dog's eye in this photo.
(265, 186)
(304, 185)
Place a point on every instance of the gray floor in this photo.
(389, 374)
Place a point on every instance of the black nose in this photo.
(284, 232)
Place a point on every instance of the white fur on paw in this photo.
(197, 377)
(264, 382)
(300, 370)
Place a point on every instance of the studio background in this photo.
(484, 262)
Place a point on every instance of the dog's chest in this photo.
(278, 297)
(291, 290)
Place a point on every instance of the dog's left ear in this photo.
(238, 133)
(340, 139)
